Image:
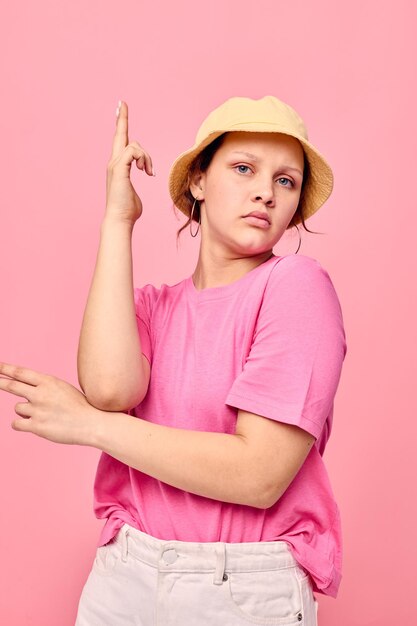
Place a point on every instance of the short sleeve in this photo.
(143, 297)
(293, 368)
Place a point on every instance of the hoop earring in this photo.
(191, 219)
(299, 237)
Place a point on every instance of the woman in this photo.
(211, 399)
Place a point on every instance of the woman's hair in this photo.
(201, 164)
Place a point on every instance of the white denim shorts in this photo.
(140, 580)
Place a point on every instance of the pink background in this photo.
(349, 70)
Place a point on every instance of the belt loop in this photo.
(125, 531)
(219, 575)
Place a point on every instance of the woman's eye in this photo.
(288, 180)
(243, 166)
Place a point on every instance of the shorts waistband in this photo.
(205, 556)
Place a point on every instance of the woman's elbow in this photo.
(263, 496)
(265, 501)
(106, 401)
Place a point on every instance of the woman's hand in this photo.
(55, 409)
(122, 200)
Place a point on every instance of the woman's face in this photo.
(236, 184)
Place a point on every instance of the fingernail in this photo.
(153, 171)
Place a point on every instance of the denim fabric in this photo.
(139, 580)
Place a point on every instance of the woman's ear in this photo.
(197, 185)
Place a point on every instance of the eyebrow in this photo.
(255, 158)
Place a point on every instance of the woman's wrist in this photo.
(113, 221)
(90, 427)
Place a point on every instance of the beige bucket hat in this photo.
(267, 114)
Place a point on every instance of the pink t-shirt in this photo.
(272, 343)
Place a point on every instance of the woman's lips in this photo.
(257, 221)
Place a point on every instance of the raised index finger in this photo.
(121, 138)
(23, 374)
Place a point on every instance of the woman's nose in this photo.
(264, 192)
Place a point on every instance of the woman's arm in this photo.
(253, 466)
(112, 372)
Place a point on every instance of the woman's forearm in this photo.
(109, 357)
(211, 464)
